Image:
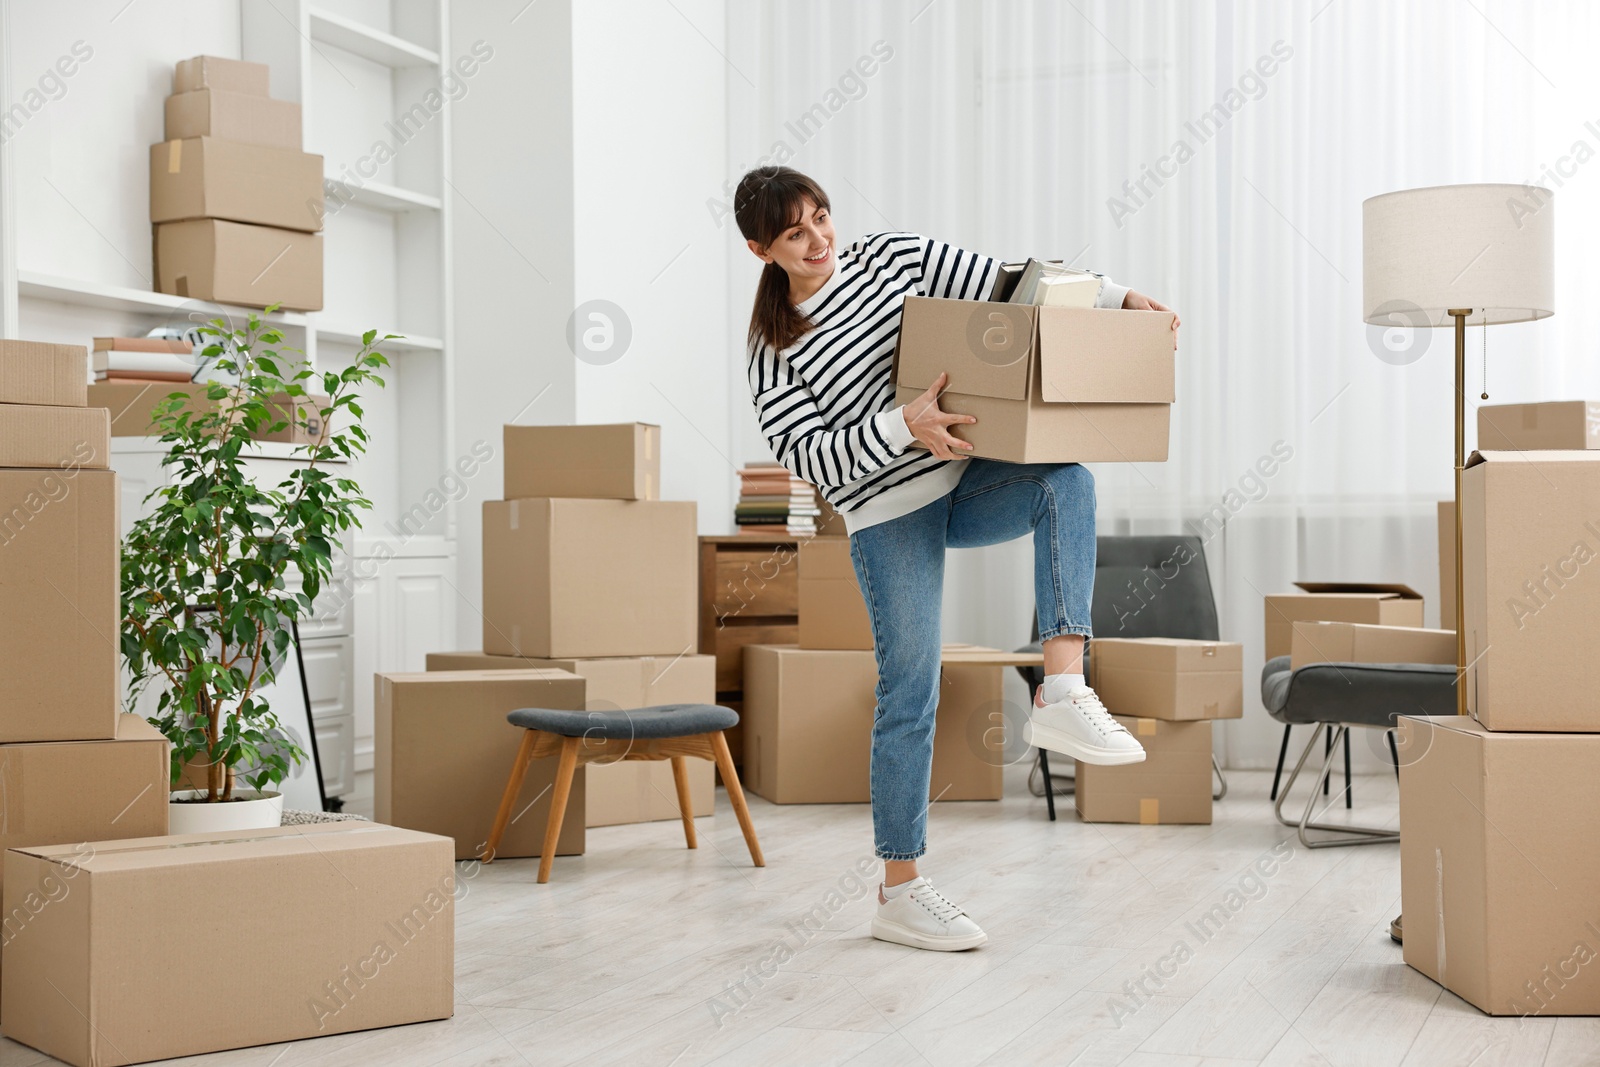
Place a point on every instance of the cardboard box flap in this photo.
(1543, 455)
(456, 677)
(988, 657)
(984, 347)
(143, 852)
(1377, 589)
(1105, 356)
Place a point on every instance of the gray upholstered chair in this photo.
(1144, 586)
(1333, 697)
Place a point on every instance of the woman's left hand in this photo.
(1137, 301)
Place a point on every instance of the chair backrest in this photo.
(1151, 586)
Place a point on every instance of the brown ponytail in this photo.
(769, 201)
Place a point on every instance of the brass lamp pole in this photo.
(1434, 256)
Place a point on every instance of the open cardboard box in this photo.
(1377, 603)
(1047, 384)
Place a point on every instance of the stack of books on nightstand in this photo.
(773, 501)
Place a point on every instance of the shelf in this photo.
(369, 43)
(378, 196)
(139, 301)
(406, 343)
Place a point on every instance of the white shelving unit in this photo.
(75, 264)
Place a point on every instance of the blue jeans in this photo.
(900, 565)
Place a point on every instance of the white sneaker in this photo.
(922, 917)
(1080, 727)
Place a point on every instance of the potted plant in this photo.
(206, 607)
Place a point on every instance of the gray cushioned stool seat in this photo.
(662, 720)
(1360, 694)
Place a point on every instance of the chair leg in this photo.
(1049, 785)
(730, 780)
(558, 805)
(680, 776)
(1395, 752)
(1283, 750)
(519, 771)
(1327, 747)
(1349, 791)
(1344, 835)
(1222, 779)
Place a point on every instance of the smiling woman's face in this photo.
(805, 250)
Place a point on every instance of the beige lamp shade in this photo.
(1490, 248)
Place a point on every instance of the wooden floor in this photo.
(634, 953)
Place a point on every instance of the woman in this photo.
(821, 340)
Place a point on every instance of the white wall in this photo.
(514, 240)
(649, 146)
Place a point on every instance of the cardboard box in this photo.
(1550, 425)
(232, 263)
(213, 72)
(1351, 642)
(620, 462)
(1499, 887)
(1379, 604)
(1047, 384)
(33, 372)
(443, 752)
(208, 178)
(585, 578)
(808, 727)
(627, 791)
(314, 431)
(1532, 589)
(346, 926)
(833, 613)
(1168, 678)
(730, 641)
(57, 792)
(60, 658)
(247, 118)
(32, 435)
(1172, 785)
(1447, 564)
(129, 403)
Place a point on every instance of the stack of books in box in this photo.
(236, 204)
(773, 501)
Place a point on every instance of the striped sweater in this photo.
(826, 403)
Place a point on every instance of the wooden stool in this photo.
(666, 731)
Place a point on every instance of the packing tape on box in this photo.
(299, 834)
(1145, 727)
(650, 442)
(1149, 811)
(174, 157)
(1438, 911)
(649, 486)
(515, 514)
(12, 810)
(1209, 650)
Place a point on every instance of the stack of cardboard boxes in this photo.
(808, 707)
(1499, 808)
(1167, 692)
(84, 802)
(589, 602)
(235, 203)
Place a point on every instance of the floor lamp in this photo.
(1442, 256)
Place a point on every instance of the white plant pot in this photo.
(254, 811)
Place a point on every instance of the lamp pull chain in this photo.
(1485, 327)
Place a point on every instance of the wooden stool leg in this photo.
(558, 805)
(730, 779)
(519, 770)
(680, 775)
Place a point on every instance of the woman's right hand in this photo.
(930, 425)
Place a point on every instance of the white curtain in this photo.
(1215, 156)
